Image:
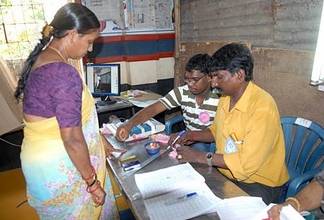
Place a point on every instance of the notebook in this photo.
(177, 192)
(140, 131)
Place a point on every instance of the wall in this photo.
(144, 58)
(281, 33)
(289, 24)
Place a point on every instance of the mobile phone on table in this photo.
(131, 165)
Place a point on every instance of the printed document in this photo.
(177, 192)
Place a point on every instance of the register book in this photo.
(177, 192)
(140, 131)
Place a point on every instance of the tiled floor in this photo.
(13, 197)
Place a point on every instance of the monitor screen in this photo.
(103, 79)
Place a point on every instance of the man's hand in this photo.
(183, 140)
(187, 154)
(122, 132)
(274, 212)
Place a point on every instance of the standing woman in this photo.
(63, 154)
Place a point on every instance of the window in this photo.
(21, 22)
(318, 66)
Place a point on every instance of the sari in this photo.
(55, 188)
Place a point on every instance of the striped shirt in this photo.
(195, 117)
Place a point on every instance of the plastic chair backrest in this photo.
(171, 122)
(304, 141)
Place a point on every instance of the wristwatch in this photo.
(209, 158)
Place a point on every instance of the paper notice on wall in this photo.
(148, 15)
(109, 12)
(163, 14)
(132, 15)
(140, 14)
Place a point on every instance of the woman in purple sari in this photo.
(63, 154)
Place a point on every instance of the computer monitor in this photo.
(103, 79)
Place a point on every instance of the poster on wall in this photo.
(109, 12)
(148, 15)
(131, 16)
(163, 14)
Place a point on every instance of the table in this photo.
(119, 105)
(221, 186)
(125, 107)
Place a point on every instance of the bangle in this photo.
(93, 182)
(96, 186)
(293, 199)
(93, 177)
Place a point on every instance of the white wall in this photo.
(143, 72)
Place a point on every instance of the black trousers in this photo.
(267, 193)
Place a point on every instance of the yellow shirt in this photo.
(259, 152)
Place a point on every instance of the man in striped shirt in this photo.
(196, 99)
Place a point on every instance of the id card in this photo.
(230, 146)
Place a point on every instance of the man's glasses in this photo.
(193, 80)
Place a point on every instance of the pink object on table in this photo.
(139, 136)
(177, 146)
(105, 130)
(161, 138)
(173, 154)
(204, 117)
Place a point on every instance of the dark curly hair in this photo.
(233, 57)
(199, 62)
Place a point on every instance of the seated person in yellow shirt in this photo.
(247, 129)
(198, 103)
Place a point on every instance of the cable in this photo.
(16, 145)
(20, 204)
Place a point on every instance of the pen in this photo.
(233, 136)
(236, 141)
(181, 133)
(181, 198)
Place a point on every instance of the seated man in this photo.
(197, 101)
(311, 197)
(247, 129)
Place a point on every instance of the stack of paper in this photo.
(177, 192)
(251, 208)
(286, 213)
(243, 207)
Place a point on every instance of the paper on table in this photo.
(167, 179)
(159, 207)
(243, 208)
(142, 104)
(286, 213)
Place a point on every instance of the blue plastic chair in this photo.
(171, 122)
(304, 141)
